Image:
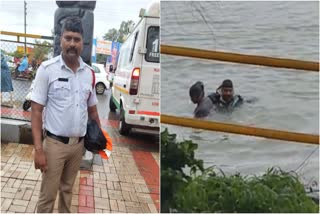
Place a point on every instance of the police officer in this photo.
(64, 86)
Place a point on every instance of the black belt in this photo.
(64, 140)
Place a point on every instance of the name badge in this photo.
(63, 79)
(61, 84)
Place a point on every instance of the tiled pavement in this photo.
(127, 182)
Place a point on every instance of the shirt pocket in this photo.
(62, 91)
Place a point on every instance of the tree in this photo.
(41, 50)
(120, 34)
(112, 35)
(125, 29)
(17, 54)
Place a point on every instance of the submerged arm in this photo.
(251, 100)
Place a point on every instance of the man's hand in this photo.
(93, 114)
(40, 160)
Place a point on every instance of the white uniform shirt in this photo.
(65, 95)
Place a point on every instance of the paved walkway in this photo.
(127, 182)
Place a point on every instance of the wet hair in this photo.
(225, 84)
(73, 24)
(196, 90)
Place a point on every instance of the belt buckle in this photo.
(73, 140)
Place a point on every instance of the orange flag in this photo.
(105, 154)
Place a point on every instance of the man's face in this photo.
(195, 99)
(227, 93)
(71, 45)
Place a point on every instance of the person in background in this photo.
(24, 64)
(34, 64)
(16, 61)
(6, 81)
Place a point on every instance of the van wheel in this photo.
(100, 88)
(112, 106)
(124, 128)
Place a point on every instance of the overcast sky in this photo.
(40, 15)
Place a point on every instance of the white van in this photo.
(136, 84)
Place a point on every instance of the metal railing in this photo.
(240, 129)
(241, 58)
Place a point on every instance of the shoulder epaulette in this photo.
(50, 61)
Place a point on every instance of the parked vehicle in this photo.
(136, 83)
(102, 82)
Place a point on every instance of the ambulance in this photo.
(136, 83)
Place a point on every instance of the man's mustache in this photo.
(72, 49)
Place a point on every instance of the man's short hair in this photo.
(73, 24)
(196, 90)
(227, 84)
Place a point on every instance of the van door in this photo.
(149, 87)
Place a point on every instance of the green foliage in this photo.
(174, 157)
(120, 34)
(111, 35)
(17, 54)
(4, 52)
(41, 50)
(204, 190)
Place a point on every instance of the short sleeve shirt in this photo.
(66, 96)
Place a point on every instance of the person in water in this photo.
(222, 100)
(204, 104)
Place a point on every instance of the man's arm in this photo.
(40, 159)
(201, 112)
(36, 124)
(214, 97)
(93, 114)
(251, 100)
(39, 98)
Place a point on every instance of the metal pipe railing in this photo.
(240, 129)
(241, 58)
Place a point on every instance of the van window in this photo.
(153, 53)
(133, 46)
(125, 51)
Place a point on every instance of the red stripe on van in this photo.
(153, 113)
